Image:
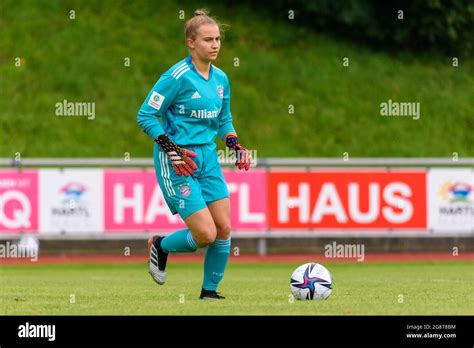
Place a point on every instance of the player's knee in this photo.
(223, 231)
(206, 240)
(207, 236)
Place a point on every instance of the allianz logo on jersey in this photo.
(204, 113)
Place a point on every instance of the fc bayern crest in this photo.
(185, 190)
(220, 92)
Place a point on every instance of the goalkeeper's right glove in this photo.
(179, 157)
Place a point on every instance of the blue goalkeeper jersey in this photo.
(193, 110)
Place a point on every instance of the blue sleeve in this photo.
(158, 100)
(225, 116)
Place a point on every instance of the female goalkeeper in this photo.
(193, 100)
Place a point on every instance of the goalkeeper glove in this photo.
(243, 155)
(180, 158)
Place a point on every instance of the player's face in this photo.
(207, 44)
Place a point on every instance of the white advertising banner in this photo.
(71, 200)
(451, 200)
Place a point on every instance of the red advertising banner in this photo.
(248, 199)
(347, 199)
(133, 201)
(284, 199)
(18, 201)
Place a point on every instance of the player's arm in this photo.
(158, 100)
(228, 134)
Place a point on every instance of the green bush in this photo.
(444, 25)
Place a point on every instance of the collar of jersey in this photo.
(190, 63)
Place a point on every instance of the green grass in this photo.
(336, 108)
(251, 289)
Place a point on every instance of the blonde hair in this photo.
(200, 18)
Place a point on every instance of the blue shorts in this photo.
(186, 195)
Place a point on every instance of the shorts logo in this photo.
(185, 191)
(220, 92)
(156, 99)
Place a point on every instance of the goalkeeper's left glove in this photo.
(243, 155)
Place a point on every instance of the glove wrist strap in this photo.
(165, 143)
(232, 142)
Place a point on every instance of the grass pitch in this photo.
(280, 63)
(423, 288)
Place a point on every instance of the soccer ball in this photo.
(311, 281)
